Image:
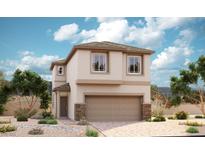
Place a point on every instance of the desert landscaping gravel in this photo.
(64, 128)
(146, 129)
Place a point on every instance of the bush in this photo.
(22, 118)
(91, 133)
(181, 115)
(46, 114)
(24, 114)
(199, 117)
(52, 122)
(159, 119)
(36, 131)
(192, 130)
(7, 128)
(171, 118)
(193, 123)
(42, 121)
(48, 121)
(2, 109)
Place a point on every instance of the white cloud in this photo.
(66, 32)
(29, 61)
(149, 35)
(177, 53)
(109, 19)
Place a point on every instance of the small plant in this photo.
(91, 133)
(199, 117)
(36, 131)
(192, 130)
(52, 122)
(7, 128)
(181, 115)
(5, 122)
(48, 121)
(25, 112)
(159, 119)
(193, 123)
(42, 121)
(46, 114)
(171, 118)
(22, 118)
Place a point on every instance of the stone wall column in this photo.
(146, 111)
(79, 111)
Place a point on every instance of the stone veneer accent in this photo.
(79, 111)
(146, 111)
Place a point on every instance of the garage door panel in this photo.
(113, 108)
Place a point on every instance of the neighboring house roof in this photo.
(105, 45)
(64, 87)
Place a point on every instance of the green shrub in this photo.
(46, 114)
(199, 117)
(159, 119)
(42, 121)
(192, 130)
(36, 131)
(181, 115)
(22, 118)
(193, 123)
(48, 121)
(52, 122)
(91, 133)
(171, 118)
(7, 128)
(2, 109)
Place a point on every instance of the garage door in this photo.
(113, 108)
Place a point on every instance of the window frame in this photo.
(62, 70)
(93, 54)
(140, 62)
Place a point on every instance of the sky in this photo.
(33, 43)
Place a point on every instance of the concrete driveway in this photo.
(144, 129)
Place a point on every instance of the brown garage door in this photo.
(113, 108)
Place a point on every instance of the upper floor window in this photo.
(134, 64)
(99, 62)
(60, 70)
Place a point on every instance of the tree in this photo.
(45, 98)
(28, 85)
(4, 92)
(159, 101)
(190, 85)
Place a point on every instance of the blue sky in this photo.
(32, 43)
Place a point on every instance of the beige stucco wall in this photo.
(117, 67)
(71, 79)
(190, 108)
(58, 80)
(78, 68)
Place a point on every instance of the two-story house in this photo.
(103, 81)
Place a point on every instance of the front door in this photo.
(63, 106)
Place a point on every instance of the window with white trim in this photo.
(134, 64)
(99, 62)
(60, 70)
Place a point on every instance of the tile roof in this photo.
(64, 87)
